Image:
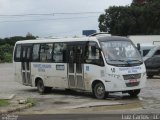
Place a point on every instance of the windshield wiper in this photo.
(136, 60)
(127, 61)
(119, 60)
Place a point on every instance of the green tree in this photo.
(8, 57)
(142, 2)
(13, 40)
(30, 36)
(118, 20)
(7, 45)
(131, 20)
(6, 53)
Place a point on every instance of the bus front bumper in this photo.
(118, 85)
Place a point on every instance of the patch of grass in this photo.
(32, 101)
(3, 102)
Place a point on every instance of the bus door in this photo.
(26, 70)
(75, 66)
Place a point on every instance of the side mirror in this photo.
(138, 46)
(99, 49)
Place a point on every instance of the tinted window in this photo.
(59, 52)
(46, 52)
(157, 52)
(145, 52)
(17, 53)
(35, 54)
(28, 53)
(93, 54)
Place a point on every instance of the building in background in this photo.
(145, 39)
(146, 42)
(88, 32)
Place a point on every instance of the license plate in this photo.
(133, 81)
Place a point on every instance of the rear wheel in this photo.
(41, 88)
(99, 91)
(134, 93)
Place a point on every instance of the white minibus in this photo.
(99, 64)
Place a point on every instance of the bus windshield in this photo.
(120, 52)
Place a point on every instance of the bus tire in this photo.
(99, 91)
(134, 93)
(41, 88)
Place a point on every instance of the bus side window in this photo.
(35, 54)
(93, 54)
(59, 53)
(42, 53)
(46, 52)
(17, 53)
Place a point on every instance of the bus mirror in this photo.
(99, 49)
(138, 46)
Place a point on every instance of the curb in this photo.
(28, 105)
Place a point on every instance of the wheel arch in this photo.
(37, 79)
(95, 82)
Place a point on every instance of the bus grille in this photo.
(132, 76)
(132, 84)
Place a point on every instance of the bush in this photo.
(7, 57)
(6, 53)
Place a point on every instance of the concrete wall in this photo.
(147, 39)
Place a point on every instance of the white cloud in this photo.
(4, 4)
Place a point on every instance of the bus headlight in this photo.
(114, 76)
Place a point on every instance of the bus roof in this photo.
(112, 38)
(101, 38)
(52, 40)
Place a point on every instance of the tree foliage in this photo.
(130, 20)
(7, 45)
(6, 53)
(13, 40)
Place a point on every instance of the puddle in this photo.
(60, 102)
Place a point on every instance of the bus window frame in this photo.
(77, 43)
(100, 55)
(21, 56)
(15, 53)
(38, 60)
(53, 52)
(46, 60)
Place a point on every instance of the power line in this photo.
(81, 13)
(67, 18)
(48, 14)
(21, 15)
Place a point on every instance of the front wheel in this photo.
(41, 88)
(99, 91)
(134, 93)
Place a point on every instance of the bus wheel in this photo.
(134, 93)
(41, 88)
(99, 91)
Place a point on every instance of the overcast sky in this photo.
(57, 25)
